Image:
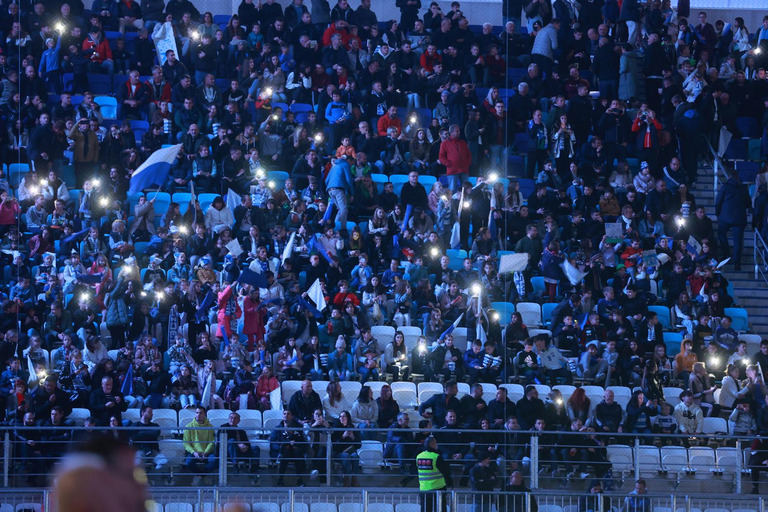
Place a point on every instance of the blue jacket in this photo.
(335, 111)
(550, 265)
(341, 363)
(49, 61)
(339, 176)
(732, 203)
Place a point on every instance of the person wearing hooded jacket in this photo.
(731, 210)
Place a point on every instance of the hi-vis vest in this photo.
(430, 478)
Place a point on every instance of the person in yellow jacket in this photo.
(434, 475)
(200, 445)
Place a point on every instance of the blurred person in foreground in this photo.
(107, 468)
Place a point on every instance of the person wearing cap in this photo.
(340, 363)
(434, 475)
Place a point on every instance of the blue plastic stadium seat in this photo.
(748, 127)
(100, 84)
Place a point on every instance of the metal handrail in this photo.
(247, 495)
(760, 257)
(533, 443)
(718, 167)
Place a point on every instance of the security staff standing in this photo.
(434, 475)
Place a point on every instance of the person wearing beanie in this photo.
(434, 475)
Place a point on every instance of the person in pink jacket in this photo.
(229, 312)
(255, 317)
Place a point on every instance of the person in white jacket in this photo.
(732, 389)
(219, 216)
(365, 411)
(688, 415)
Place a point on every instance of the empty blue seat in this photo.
(747, 170)
(16, 172)
(546, 313)
(737, 150)
(302, 107)
(673, 340)
(67, 79)
(521, 142)
(138, 134)
(222, 84)
(100, 84)
(456, 254)
(427, 181)
(527, 186)
(139, 124)
(118, 80)
(748, 127)
(739, 317)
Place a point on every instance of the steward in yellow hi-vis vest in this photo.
(434, 475)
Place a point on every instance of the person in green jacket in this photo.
(200, 445)
(434, 475)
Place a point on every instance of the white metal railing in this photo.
(405, 500)
(760, 257)
(627, 457)
(718, 168)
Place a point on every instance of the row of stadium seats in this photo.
(408, 395)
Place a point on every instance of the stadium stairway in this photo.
(749, 293)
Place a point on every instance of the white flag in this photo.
(315, 293)
(289, 247)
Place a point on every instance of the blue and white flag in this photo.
(328, 210)
(127, 387)
(453, 326)
(155, 170)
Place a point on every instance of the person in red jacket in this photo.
(429, 58)
(9, 211)
(255, 318)
(389, 119)
(158, 90)
(456, 157)
(100, 53)
(132, 96)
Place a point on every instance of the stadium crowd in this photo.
(295, 216)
